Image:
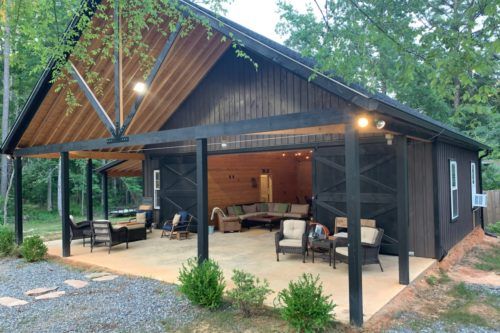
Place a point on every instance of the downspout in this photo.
(487, 152)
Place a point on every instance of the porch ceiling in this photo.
(189, 59)
(126, 169)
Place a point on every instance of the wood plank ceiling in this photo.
(126, 169)
(189, 60)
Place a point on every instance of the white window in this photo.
(473, 181)
(156, 187)
(454, 189)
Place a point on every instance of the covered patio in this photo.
(253, 251)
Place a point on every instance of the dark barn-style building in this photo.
(212, 128)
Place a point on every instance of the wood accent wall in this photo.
(453, 232)
(421, 203)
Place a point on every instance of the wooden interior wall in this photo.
(421, 203)
(304, 179)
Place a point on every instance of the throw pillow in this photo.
(238, 210)
(250, 208)
(280, 207)
(176, 219)
(140, 217)
(262, 207)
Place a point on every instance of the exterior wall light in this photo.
(363, 122)
(140, 88)
(379, 124)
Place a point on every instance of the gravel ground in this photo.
(125, 304)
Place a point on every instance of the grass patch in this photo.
(443, 277)
(431, 280)
(489, 260)
(461, 292)
(462, 316)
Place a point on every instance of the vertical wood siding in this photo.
(452, 232)
(421, 204)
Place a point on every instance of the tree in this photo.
(4, 170)
(440, 57)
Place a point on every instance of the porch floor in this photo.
(252, 251)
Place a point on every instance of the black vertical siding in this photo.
(451, 232)
(421, 204)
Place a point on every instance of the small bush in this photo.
(304, 306)
(33, 249)
(494, 228)
(203, 284)
(431, 280)
(6, 241)
(249, 292)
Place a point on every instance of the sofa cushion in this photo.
(262, 207)
(294, 229)
(280, 208)
(292, 215)
(342, 250)
(368, 235)
(300, 209)
(238, 210)
(249, 215)
(270, 207)
(275, 214)
(291, 242)
(340, 234)
(230, 211)
(250, 208)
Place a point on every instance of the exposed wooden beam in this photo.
(117, 55)
(93, 100)
(274, 123)
(96, 155)
(154, 71)
(328, 129)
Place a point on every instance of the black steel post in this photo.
(202, 198)
(66, 240)
(401, 147)
(354, 224)
(105, 210)
(90, 201)
(18, 200)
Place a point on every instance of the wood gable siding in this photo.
(234, 90)
(451, 232)
(421, 203)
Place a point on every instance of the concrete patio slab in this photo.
(252, 251)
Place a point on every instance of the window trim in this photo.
(156, 179)
(473, 182)
(452, 189)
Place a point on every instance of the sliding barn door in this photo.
(178, 186)
(378, 188)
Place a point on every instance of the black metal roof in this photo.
(275, 52)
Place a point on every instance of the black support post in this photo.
(202, 198)
(354, 224)
(90, 201)
(66, 241)
(18, 200)
(401, 146)
(105, 209)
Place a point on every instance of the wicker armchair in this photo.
(292, 238)
(224, 222)
(370, 247)
(79, 230)
(103, 233)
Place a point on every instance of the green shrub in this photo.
(494, 228)
(304, 306)
(203, 284)
(33, 249)
(6, 241)
(249, 292)
(431, 280)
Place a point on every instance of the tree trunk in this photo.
(59, 194)
(6, 201)
(49, 190)
(6, 98)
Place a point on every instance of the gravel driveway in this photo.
(125, 304)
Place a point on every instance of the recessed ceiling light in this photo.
(140, 88)
(362, 122)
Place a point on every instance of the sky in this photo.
(260, 16)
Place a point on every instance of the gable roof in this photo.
(277, 53)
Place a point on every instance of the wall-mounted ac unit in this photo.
(480, 200)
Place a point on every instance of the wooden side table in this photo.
(323, 244)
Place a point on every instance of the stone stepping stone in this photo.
(105, 278)
(77, 284)
(40, 291)
(52, 295)
(11, 301)
(92, 276)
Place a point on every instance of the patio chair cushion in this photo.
(291, 242)
(176, 219)
(299, 209)
(369, 235)
(250, 208)
(340, 234)
(235, 210)
(249, 215)
(184, 215)
(145, 207)
(342, 250)
(292, 215)
(294, 229)
(140, 217)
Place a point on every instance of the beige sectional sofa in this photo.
(283, 210)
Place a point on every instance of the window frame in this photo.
(156, 189)
(454, 217)
(473, 181)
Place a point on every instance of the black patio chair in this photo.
(292, 238)
(370, 248)
(79, 230)
(104, 234)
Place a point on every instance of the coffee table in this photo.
(266, 220)
(319, 245)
